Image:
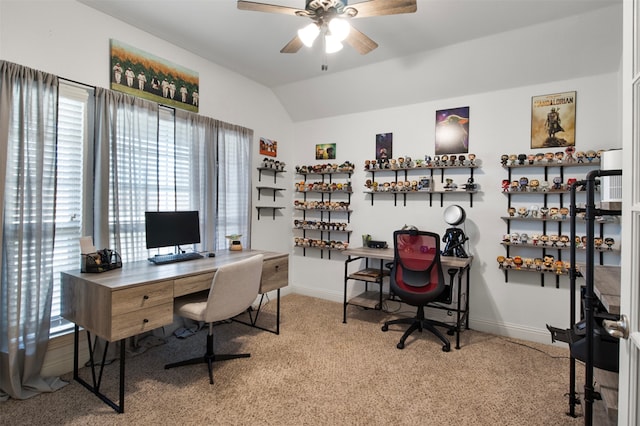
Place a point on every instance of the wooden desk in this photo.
(138, 297)
(462, 265)
(606, 286)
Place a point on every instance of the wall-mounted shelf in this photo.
(325, 196)
(273, 208)
(268, 188)
(403, 175)
(549, 192)
(272, 170)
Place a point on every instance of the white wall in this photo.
(68, 39)
(500, 123)
(71, 40)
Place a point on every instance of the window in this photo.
(163, 160)
(71, 192)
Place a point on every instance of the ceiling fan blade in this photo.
(293, 46)
(270, 8)
(359, 41)
(384, 7)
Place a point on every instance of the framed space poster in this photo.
(147, 76)
(452, 131)
(553, 120)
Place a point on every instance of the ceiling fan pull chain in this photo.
(325, 60)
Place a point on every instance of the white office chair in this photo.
(233, 289)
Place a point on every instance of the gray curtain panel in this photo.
(28, 100)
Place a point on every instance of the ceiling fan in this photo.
(330, 18)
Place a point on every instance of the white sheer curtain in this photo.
(197, 133)
(234, 194)
(28, 186)
(127, 164)
(151, 158)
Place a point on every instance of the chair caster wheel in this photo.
(400, 345)
(385, 327)
(446, 348)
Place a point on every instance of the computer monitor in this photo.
(172, 228)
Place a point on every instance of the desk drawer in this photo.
(141, 297)
(275, 274)
(141, 320)
(193, 284)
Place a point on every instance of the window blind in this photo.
(72, 143)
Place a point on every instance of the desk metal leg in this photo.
(253, 320)
(460, 272)
(466, 301)
(346, 278)
(97, 381)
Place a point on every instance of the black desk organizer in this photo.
(101, 261)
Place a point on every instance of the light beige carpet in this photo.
(319, 371)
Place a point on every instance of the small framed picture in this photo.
(384, 146)
(326, 151)
(425, 184)
(268, 147)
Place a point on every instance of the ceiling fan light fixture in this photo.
(308, 34)
(339, 28)
(332, 44)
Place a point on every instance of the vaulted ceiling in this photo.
(249, 42)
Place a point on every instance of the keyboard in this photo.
(161, 259)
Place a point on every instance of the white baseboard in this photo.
(516, 331)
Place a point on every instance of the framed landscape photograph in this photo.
(553, 120)
(148, 76)
(452, 131)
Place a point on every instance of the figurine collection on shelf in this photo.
(402, 163)
(321, 205)
(547, 263)
(323, 244)
(320, 225)
(543, 213)
(555, 241)
(524, 184)
(422, 184)
(303, 186)
(568, 156)
(346, 167)
(270, 163)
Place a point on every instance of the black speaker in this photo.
(378, 244)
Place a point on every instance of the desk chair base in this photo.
(209, 357)
(419, 323)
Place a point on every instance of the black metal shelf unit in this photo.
(328, 201)
(550, 196)
(590, 301)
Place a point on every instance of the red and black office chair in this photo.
(416, 278)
